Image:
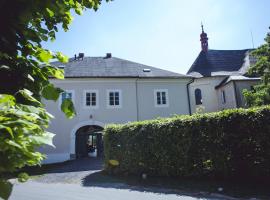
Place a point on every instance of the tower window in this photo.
(223, 97)
(198, 96)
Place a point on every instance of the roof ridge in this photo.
(231, 49)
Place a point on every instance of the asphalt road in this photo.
(83, 179)
(45, 191)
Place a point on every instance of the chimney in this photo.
(81, 55)
(108, 55)
(204, 40)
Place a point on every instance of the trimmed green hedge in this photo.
(227, 144)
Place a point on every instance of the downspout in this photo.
(235, 95)
(137, 99)
(189, 106)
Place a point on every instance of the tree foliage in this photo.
(260, 94)
(24, 77)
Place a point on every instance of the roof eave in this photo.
(227, 82)
(140, 77)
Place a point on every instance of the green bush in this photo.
(226, 144)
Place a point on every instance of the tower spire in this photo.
(204, 40)
(202, 27)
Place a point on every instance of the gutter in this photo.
(137, 100)
(146, 77)
(189, 106)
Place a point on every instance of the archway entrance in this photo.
(89, 141)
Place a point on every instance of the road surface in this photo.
(83, 179)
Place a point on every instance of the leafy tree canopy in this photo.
(24, 77)
(260, 95)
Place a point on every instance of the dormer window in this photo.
(146, 70)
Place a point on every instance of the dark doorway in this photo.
(89, 141)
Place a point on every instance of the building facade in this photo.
(108, 90)
(219, 77)
(115, 91)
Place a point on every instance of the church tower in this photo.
(204, 40)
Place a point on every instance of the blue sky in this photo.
(164, 34)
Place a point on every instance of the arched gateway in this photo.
(86, 139)
(89, 141)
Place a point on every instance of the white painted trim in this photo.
(72, 94)
(84, 99)
(108, 98)
(167, 98)
(56, 158)
(76, 127)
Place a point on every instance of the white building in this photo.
(219, 78)
(108, 90)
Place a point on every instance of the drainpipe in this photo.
(137, 100)
(189, 106)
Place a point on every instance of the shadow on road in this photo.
(192, 188)
(101, 179)
(88, 173)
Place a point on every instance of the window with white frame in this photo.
(161, 98)
(91, 98)
(66, 95)
(114, 98)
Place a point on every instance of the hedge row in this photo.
(226, 144)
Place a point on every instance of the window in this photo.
(114, 98)
(223, 97)
(161, 98)
(68, 94)
(198, 96)
(91, 98)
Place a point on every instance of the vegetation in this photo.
(24, 78)
(260, 95)
(223, 145)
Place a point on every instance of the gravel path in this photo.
(72, 171)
